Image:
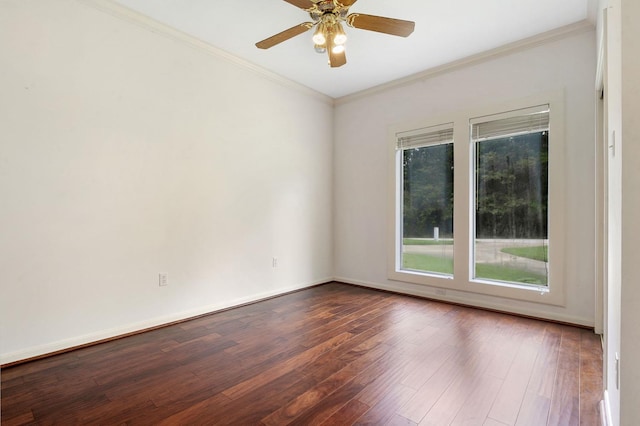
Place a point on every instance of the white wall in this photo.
(126, 152)
(362, 171)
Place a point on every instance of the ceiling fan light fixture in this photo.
(340, 36)
(338, 48)
(320, 48)
(319, 37)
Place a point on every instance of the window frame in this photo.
(401, 148)
(464, 217)
(475, 139)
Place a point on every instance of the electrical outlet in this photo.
(274, 262)
(163, 279)
(441, 292)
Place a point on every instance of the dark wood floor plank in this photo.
(591, 387)
(35, 369)
(332, 354)
(565, 402)
(363, 343)
(347, 414)
(329, 405)
(469, 377)
(389, 363)
(70, 406)
(228, 371)
(22, 419)
(386, 405)
(476, 407)
(302, 359)
(501, 353)
(397, 420)
(209, 408)
(264, 400)
(351, 323)
(491, 422)
(507, 404)
(107, 413)
(429, 393)
(386, 382)
(315, 395)
(437, 352)
(537, 399)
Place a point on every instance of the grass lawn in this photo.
(425, 262)
(421, 242)
(535, 253)
(503, 273)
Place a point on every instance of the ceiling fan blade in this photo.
(347, 3)
(284, 35)
(302, 4)
(381, 24)
(337, 59)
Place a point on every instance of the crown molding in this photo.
(507, 49)
(126, 14)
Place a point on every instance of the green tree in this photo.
(512, 187)
(428, 190)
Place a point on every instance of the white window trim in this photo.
(445, 127)
(463, 217)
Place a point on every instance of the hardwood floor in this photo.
(331, 355)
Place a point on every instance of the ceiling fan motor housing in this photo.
(326, 5)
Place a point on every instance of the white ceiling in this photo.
(445, 31)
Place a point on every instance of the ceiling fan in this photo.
(328, 16)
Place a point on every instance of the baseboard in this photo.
(66, 345)
(430, 293)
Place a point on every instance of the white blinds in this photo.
(513, 123)
(426, 136)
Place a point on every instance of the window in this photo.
(495, 176)
(427, 200)
(511, 197)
